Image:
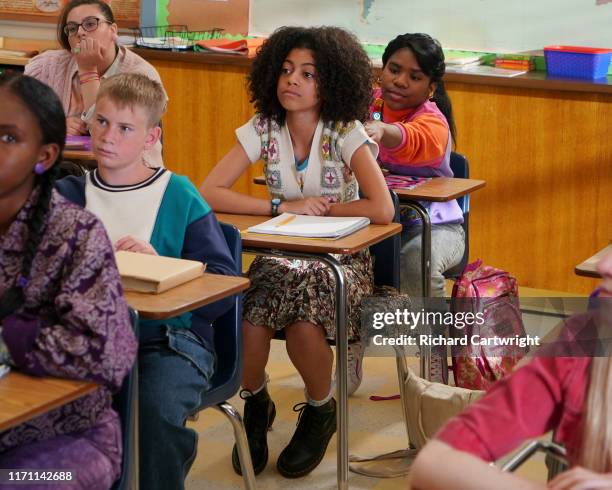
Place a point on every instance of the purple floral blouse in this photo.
(75, 322)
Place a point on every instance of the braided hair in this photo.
(47, 109)
(430, 57)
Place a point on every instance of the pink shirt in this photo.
(548, 393)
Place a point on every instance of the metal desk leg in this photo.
(341, 371)
(425, 353)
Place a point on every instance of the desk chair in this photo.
(555, 457)
(386, 254)
(68, 167)
(125, 402)
(228, 374)
(461, 170)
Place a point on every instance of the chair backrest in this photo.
(228, 334)
(386, 254)
(461, 170)
(68, 167)
(124, 405)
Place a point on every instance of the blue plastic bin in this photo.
(577, 61)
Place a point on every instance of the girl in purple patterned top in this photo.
(62, 311)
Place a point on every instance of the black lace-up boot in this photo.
(259, 413)
(315, 427)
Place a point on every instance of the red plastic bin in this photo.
(577, 61)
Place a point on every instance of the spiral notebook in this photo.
(298, 225)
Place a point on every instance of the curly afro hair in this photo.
(344, 72)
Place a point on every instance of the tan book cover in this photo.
(153, 273)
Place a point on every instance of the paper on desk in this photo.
(484, 70)
(289, 224)
(4, 370)
(405, 182)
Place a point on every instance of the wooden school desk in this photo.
(13, 60)
(181, 299)
(321, 250)
(24, 397)
(587, 268)
(186, 297)
(438, 189)
(79, 155)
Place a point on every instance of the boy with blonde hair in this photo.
(152, 210)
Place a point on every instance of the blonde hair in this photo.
(596, 447)
(136, 90)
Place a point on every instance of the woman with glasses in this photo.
(87, 33)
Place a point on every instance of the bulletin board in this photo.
(230, 15)
(127, 12)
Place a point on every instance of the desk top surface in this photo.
(588, 267)
(441, 189)
(347, 245)
(438, 189)
(25, 397)
(79, 155)
(186, 297)
(14, 60)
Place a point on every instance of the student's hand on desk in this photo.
(375, 130)
(75, 126)
(132, 244)
(312, 206)
(580, 478)
(89, 54)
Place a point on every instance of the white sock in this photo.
(263, 385)
(319, 403)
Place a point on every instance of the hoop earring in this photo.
(39, 168)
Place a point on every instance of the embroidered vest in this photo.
(337, 181)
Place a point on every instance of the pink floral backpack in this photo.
(494, 294)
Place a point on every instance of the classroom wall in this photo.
(492, 25)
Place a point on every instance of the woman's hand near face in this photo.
(89, 54)
(75, 126)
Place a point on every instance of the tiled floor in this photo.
(374, 427)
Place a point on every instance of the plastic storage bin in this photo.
(577, 61)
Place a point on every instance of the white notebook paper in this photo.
(310, 226)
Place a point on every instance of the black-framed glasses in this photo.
(89, 24)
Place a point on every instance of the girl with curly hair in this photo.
(311, 88)
(62, 311)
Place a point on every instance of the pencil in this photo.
(286, 220)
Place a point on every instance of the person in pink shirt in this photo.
(570, 395)
(411, 119)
